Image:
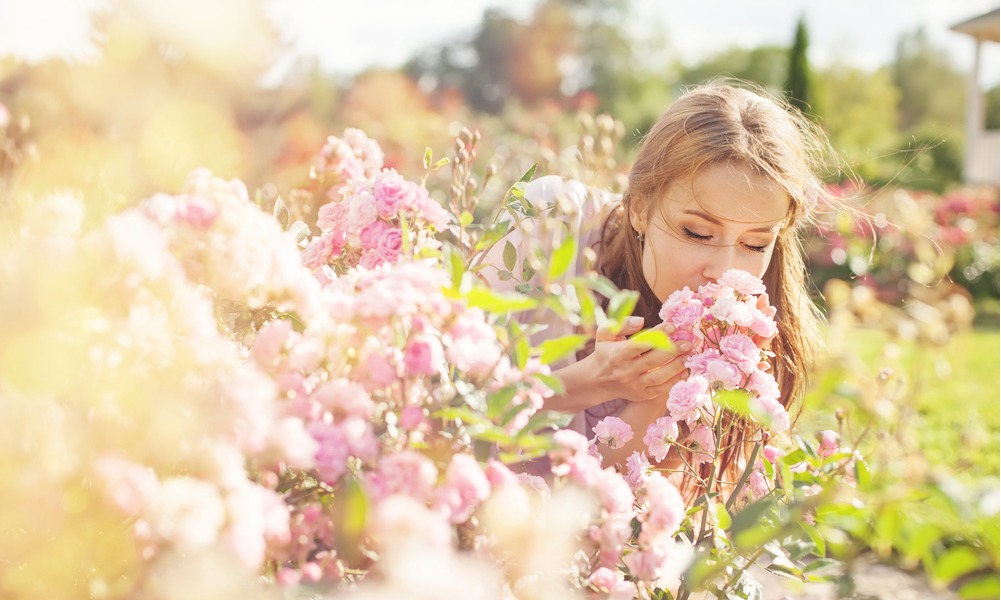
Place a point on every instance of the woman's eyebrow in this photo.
(715, 221)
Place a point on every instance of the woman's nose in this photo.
(722, 260)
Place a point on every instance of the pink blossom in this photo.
(344, 398)
(605, 580)
(255, 516)
(741, 351)
(762, 325)
(638, 468)
(332, 216)
(293, 443)
(129, 485)
(703, 444)
(394, 194)
(288, 577)
(757, 484)
(775, 415)
(613, 432)
(360, 438)
(412, 418)
(362, 212)
(720, 373)
(742, 282)
(269, 342)
(687, 397)
(772, 454)
(763, 384)
(664, 508)
(613, 491)
(466, 486)
(659, 436)
(683, 310)
(332, 451)
(187, 513)
(196, 212)
(423, 355)
(472, 345)
(321, 249)
(437, 216)
(828, 443)
(404, 472)
(380, 371)
(660, 562)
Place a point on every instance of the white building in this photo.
(981, 164)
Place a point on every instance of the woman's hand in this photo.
(620, 368)
(631, 370)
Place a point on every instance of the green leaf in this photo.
(499, 302)
(982, 588)
(457, 267)
(299, 230)
(562, 258)
(736, 401)
(281, 213)
(723, 519)
(553, 350)
(427, 158)
(510, 256)
(822, 564)
(621, 304)
(818, 540)
(862, 477)
(654, 339)
(499, 401)
(529, 174)
(465, 219)
(493, 234)
(461, 413)
(545, 419)
(957, 561)
(441, 163)
(552, 382)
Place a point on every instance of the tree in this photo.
(764, 65)
(798, 80)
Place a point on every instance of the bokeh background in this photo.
(114, 100)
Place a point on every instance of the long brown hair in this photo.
(723, 123)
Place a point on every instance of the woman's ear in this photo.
(637, 216)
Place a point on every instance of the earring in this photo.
(640, 236)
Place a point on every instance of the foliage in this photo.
(799, 80)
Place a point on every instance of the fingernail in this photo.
(635, 321)
(684, 346)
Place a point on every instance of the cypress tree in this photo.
(798, 85)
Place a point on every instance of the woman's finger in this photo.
(630, 326)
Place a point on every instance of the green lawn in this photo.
(954, 393)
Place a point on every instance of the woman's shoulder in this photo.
(570, 197)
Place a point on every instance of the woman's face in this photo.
(725, 217)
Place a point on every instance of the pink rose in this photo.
(423, 355)
(344, 398)
(703, 444)
(772, 454)
(270, 341)
(605, 580)
(659, 436)
(774, 414)
(404, 472)
(763, 384)
(362, 211)
(742, 282)
(466, 486)
(720, 373)
(613, 432)
(394, 194)
(332, 216)
(741, 351)
(828, 443)
(687, 397)
(665, 508)
(196, 212)
(379, 370)
(437, 216)
(638, 467)
(382, 237)
(332, 451)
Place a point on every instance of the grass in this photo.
(949, 399)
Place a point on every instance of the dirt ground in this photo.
(873, 581)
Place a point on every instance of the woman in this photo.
(725, 179)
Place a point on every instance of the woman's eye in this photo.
(756, 248)
(695, 236)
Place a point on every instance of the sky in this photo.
(346, 36)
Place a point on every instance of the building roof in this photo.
(983, 27)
